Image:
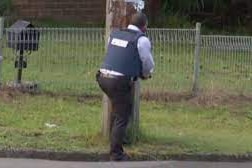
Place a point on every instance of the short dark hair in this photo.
(139, 19)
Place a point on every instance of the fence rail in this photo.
(68, 58)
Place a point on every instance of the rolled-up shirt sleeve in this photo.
(145, 53)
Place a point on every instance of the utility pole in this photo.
(118, 14)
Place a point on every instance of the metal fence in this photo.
(68, 58)
(226, 63)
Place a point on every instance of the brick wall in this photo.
(86, 11)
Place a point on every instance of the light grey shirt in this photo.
(144, 50)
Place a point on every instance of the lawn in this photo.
(218, 124)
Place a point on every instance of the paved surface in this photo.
(29, 163)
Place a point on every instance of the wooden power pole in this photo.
(118, 14)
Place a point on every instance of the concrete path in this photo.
(29, 163)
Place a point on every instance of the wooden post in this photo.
(118, 14)
(1, 56)
(197, 60)
(1, 27)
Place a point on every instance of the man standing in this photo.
(128, 58)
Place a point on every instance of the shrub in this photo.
(5, 7)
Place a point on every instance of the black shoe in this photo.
(123, 157)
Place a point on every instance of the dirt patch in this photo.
(166, 96)
(220, 99)
(9, 94)
(206, 99)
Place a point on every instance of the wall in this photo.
(89, 11)
(84, 11)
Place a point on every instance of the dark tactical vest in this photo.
(122, 54)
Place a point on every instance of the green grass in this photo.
(166, 128)
(23, 123)
(183, 128)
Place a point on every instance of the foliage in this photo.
(173, 21)
(5, 7)
(186, 7)
(181, 6)
(220, 14)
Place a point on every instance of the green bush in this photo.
(173, 21)
(5, 7)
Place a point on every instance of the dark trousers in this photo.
(119, 91)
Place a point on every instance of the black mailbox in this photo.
(22, 36)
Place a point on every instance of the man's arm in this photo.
(144, 49)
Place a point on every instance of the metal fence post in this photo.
(1, 60)
(196, 74)
(1, 55)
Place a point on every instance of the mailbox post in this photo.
(22, 37)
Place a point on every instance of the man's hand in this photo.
(145, 77)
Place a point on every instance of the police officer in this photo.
(128, 58)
